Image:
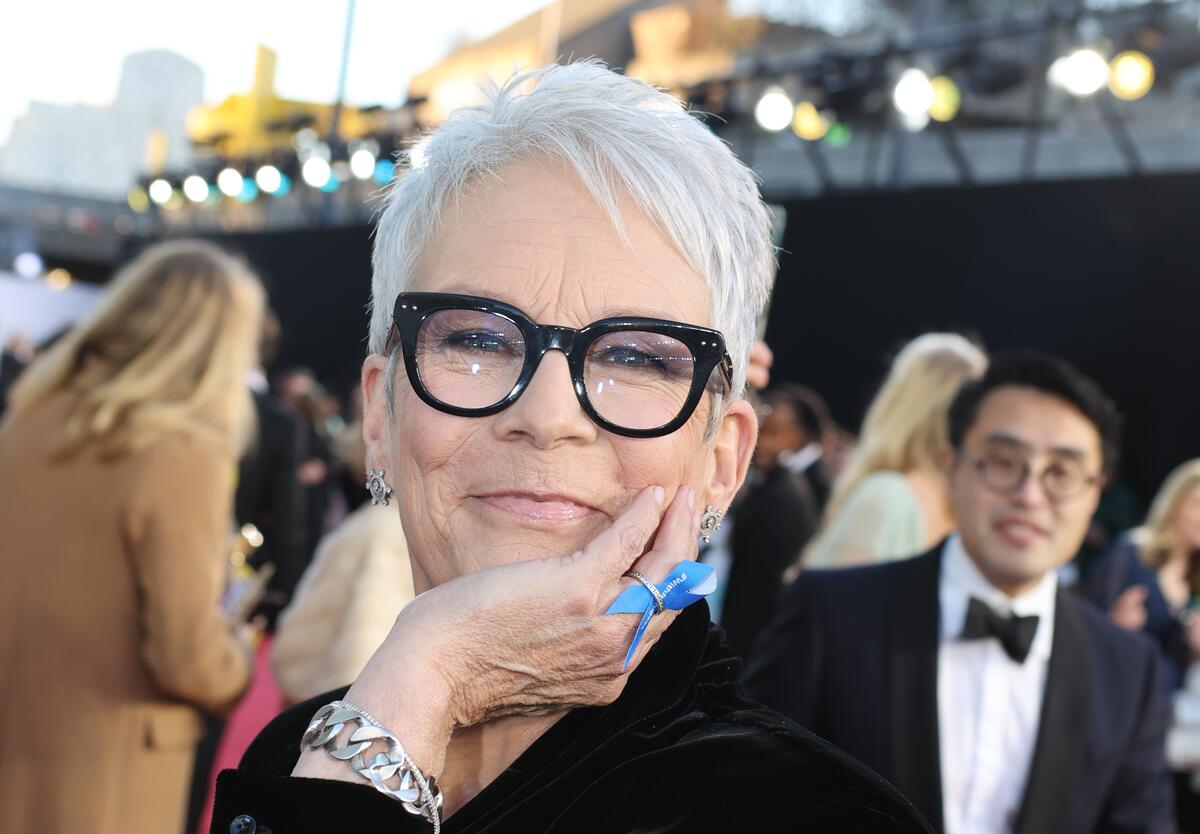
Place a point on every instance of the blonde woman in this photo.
(890, 499)
(116, 466)
(1148, 580)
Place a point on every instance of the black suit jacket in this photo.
(852, 655)
(269, 496)
(819, 482)
(681, 751)
(771, 524)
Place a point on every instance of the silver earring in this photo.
(378, 487)
(710, 522)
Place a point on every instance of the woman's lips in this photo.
(538, 508)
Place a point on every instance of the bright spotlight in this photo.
(1082, 73)
(160, 191)
(316, 172)
(808, 123)
(362, 164)
(384, 170)
(839, 135)
(249, 191)
(946, 99)
(269, 179)
(230, 182)
(913, 93)
(195, 188)
(914, 122)
(774, 110)
(1131, 76)
(28, 265)
(138, 199)
(305, 138)
(58, 279)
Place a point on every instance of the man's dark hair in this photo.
(809, 407)
(1050, 375)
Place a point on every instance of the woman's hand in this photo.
(758, 372)
(1191, 630)
(1129, 609)
(519, 639)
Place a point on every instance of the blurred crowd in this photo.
(219, 530)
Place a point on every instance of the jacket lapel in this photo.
(1058, 756)
(916, 756)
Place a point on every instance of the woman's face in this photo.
(540, 478)
(1187, 521)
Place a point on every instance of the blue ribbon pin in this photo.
(688, 583)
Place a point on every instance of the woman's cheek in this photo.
(669, 461)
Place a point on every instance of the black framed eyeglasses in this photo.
(634, 376)
(1006, 472)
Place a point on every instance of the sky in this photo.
(70, 51)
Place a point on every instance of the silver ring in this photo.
(652, 588)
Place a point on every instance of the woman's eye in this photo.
(624, 358)
(629, 356)
(477, 340)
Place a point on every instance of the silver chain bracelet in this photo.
(417, 793)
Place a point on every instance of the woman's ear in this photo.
(732, 447)
(375, 409)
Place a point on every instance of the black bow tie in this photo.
(1014, 633)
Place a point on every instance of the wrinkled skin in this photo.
(520, 525)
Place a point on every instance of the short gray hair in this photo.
(613, 131)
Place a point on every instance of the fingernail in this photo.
(660, 495)
(691, 498)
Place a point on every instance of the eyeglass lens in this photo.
(633, 379)
(1007, 471)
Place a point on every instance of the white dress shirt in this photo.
(989, 706)
(800, 460)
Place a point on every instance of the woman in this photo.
(116, 464)
(890, 500)
(585, 213)
(1149, 578)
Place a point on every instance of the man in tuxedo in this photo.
(773, 519)
(991, 697)
(802, 417)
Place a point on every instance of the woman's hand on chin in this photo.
(518, 639)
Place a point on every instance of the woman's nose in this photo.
(547, 413)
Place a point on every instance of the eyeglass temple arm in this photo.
(727, 371)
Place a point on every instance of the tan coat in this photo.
(110, 629)
(345, 605)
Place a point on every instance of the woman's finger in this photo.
(658, 626)
(675, 540)
(673, 543)
(618, 547)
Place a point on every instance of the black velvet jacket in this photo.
(681, 750)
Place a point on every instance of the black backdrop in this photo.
(1102, 272)
(319, 281)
